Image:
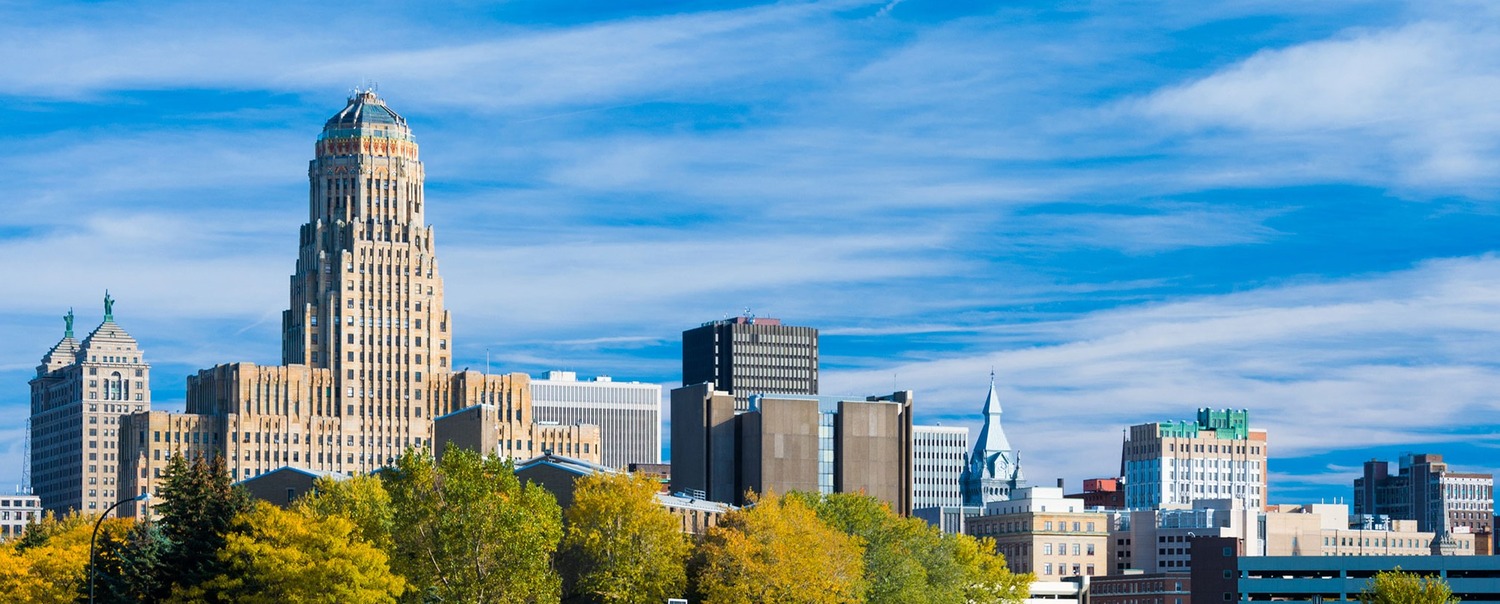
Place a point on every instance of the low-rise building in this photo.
(558, 473)
(1136, 587)
(18, 512)
(1040, 531)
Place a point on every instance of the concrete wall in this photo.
(780, 446)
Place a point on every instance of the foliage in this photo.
(51, 566)
(777, 550)
(466, 530)
(127, 564)
(275, 556)
(197, 510)
(621, 546)
(985, 576)
(1398, 587)
(909, 561)
(360, 499)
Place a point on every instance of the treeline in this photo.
(467, 530)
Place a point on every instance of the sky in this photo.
(1125, 210)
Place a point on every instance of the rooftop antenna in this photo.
(486, 361)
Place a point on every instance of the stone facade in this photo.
(80, 393)
(366, 350)
(1039, 531)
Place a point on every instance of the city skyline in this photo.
(1127, 217)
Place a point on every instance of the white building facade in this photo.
(939, 455)
(628, 413)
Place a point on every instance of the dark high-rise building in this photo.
(1425, 490)
(751, 355)
(817, 444)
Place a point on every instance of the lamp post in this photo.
(95, 537)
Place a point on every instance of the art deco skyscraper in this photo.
(366, 342)
(366, 297)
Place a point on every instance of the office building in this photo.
(819, 444)
(18, 512)
(485, 429)
(80, 393)
(1040, 531)
(1106, 493)
(1425, 490)
(939, 456)
(367, 349)
(994, 469)
(628, 413)
(1216, 456)
(1141, 588)
(1158, 540)
(1325, 529)
(751, 355)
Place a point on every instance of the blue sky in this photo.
(1127, 209)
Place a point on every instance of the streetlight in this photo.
(95, 536)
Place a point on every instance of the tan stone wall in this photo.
(1033, 540)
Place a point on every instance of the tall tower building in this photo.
(994, 470)
(80, 392)
(366, 297)
(751, 355)
(366, 342)
(1217, 456)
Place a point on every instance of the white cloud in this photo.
(1323, 366)
(1421, 101)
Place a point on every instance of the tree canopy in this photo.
(621, 547)
(274, 556)
(1400, 587)
(776, 550)
(468, 531)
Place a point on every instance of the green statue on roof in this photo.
(68, 321)
(109, 307)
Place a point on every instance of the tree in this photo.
(777, 550)
(51, 566)
(1398, 587)
(985, 577)
(360, 499)
(466, 530)
(621, 546)
(128, 563)
(910, 561)
(198, 507)
(276, 556)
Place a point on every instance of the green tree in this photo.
(777, 550)
(986, 578)
(910, 561)
(621, 546)
(198, 506)
(466, 530)
(276, 556)
(1399, 587)
(360, 499)
(128, 563)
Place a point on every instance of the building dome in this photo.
(366, 115)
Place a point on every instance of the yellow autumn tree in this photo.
(279, 557)
(777, 551)
(49, 565)
(620, 545)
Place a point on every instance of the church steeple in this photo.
(994, 470)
